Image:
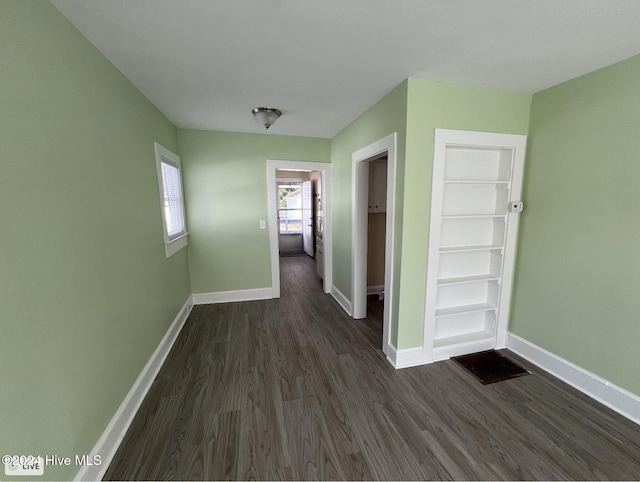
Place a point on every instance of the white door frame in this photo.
(307, 210)
(359, 222)
(325, 169)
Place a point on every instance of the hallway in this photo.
(295, 389)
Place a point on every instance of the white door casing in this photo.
(359, 223)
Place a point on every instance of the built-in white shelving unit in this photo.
(472, 240)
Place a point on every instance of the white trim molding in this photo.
(110, 440)
(375, 289)
(231, 296)
(406, 357)
(392, 355)
(175, 245)
(342, 300)
(605, 392)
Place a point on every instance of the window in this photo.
(171, 200)
(290, 208)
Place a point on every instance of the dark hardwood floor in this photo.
(295, 389)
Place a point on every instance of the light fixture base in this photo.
(266, 115)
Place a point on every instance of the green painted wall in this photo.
(385, 117)
(86, 292)
(435, 105)
(578, 265)
(225, 182)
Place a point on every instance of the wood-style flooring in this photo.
(295, 389)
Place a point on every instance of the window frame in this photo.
(294, 182)
(172, 244)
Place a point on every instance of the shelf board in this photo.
(479, 247)
(464, 338)
(458, 310)
(469, 181)
(468, 279)
(473, 216)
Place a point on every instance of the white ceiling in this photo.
(206, 63)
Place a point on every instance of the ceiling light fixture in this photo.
(266, 115)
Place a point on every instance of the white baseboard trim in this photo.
(112, 436)
(341, 299)
(392, 355)
(374, 289)
(407, 357)
(231, 296)
(605, 392)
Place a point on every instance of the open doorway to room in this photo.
(300, 232)
(299, 214)
(373, 207)
(376, 239)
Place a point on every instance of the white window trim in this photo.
(288, 182)
(175, 244)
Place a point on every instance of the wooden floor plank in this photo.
(293, 389)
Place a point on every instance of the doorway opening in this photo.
(299, 215)
(378, 157)
(376, 239)
(299, 212)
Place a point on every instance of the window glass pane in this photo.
(290, 208)
(172, 200)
